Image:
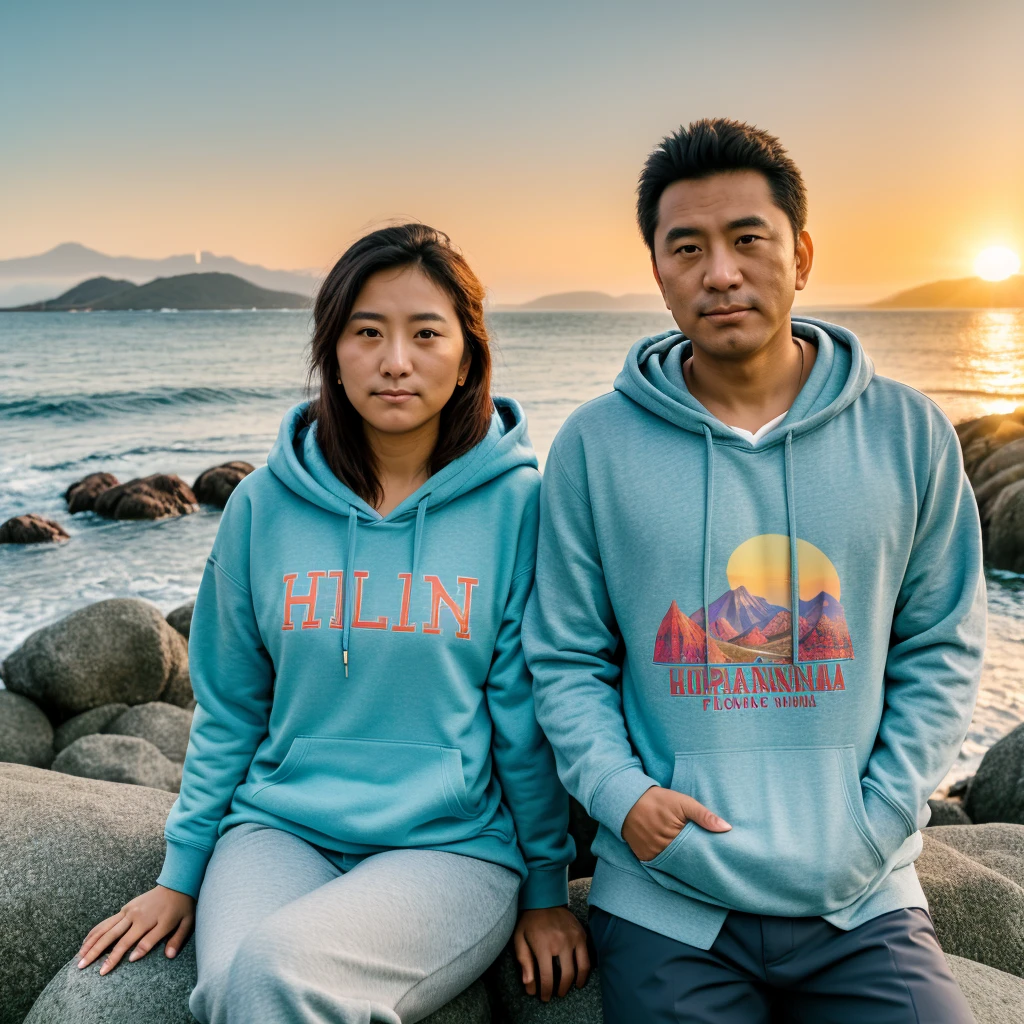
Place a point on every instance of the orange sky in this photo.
(279, 138)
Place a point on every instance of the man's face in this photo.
(726, 262)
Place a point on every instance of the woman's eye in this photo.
(369, 332)
(427, 333)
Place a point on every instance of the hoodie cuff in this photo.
(888, 824)
(614, 797)
(184, 867)
(545, 887)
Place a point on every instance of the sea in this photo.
(177, 392)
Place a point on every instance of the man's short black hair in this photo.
(708, 147)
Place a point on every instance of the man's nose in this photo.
(722, 270)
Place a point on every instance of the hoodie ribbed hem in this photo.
(548, 887)
(184, 867)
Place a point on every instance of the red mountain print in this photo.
(681, 641)
(722, 629)
(755, 638)
(782, 624)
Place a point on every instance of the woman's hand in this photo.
(147, 918)
(546, 934)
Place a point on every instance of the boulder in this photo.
(73, 851)
(978, 450)
(119, 759)
(118, 650)
(996, 792)
(164, 725)
(85, 724)
(973, 876)
(993, 996)
(959, 788)
(181, 618)
(1003, 458)
(1005, 535)
(983, 426)
(512, 1003)
(81, 496)
(26, 736)
(150, 497)
(31, 529)
(947, 812)
(988, 493)
(214, 486)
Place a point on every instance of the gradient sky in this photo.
(277, 133)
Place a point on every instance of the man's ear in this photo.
(804, 259)
(657, 277)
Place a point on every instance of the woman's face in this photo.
(402, 352)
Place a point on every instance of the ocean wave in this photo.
(105, 403)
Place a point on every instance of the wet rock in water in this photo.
(81, 496)
(1010, 454)
(214, 485)
(26, 736)
(73, 851)
(85, 724)
(997, 789)
(578, 1006)
(118, 650)
(119, 759)
(973, 876)
(1005, 533)
(181, 618)
(994, 997)
(32, 529)
(947, 812)
(164, 725)
(150, 497)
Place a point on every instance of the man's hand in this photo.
(659, 816)
(551, 934)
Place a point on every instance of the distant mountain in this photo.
(591, 301)
(963, 293)
(828, 636)
(740, 609)
(185, 291)
(29, 278)
(823, 604)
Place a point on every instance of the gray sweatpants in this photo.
(291, 933)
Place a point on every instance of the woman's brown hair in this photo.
(465, 418)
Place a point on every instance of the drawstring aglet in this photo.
(344, 656)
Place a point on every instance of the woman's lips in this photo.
(395, 398)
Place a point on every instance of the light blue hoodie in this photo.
(428, 739)
(820, 745)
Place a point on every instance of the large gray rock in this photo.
(512, 1004)
(119, 650)
(32, 529)
(993, 996)
(119, 759)
(214, 485)
(72, 852)
(81, 496)
(150, 497)
(948, 812)
(1002, 458)
(980, 449)
(26, 736)
(996, 792)
(85, 724)
(181, 618)
(973, 876)
(164, 725)
(1005, 534)
(987, 493)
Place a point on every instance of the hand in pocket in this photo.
(659, 816)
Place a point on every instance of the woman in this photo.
(368, 804)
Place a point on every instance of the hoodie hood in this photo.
(653, 378)
(298, 462)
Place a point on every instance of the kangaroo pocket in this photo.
(370, 791)
(800, 843)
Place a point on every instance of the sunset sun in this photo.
(996, 263)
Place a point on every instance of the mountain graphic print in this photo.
(751, 623)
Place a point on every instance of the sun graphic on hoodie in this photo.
(761, 564)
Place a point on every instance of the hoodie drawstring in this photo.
(350, 583)
(421, 515)
(794, 563)
(709, 496)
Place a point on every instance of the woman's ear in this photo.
(467, 361)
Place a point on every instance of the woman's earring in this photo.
(339, 380)
(461, 381)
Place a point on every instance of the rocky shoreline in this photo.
(94, 727)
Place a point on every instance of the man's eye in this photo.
(689, 250)
(746, 239)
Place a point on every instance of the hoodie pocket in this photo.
(370, 791)
(800, 843)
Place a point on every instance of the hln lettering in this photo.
(301, 607)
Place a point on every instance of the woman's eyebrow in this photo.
(364, 315)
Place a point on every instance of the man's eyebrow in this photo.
(675, 233)
(752, 221)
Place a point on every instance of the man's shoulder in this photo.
(914, 412)
(594, 419)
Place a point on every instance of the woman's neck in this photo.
(403, 461)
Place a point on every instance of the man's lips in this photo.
(395, 397)
(727, 314)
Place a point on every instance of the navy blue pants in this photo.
(802, 970)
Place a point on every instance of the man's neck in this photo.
(750, 392)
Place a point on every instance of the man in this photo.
(757, 627)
